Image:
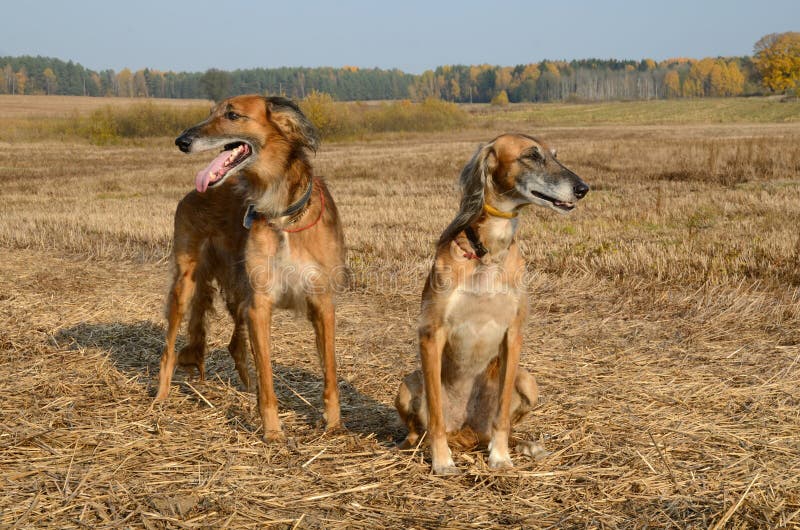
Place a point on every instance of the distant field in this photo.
(43, 117)
(60, 106)
(656, 112)
(664, 333)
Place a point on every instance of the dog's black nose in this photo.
(580, 189)
(184, 142)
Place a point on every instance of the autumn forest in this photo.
(577, 80)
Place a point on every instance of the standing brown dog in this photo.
(474, 305)
(273, 241)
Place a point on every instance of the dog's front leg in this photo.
(180, 294)
(259, 316)
(431, 346)
(322, 316)
(509, 359)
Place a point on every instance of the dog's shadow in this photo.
(135, 348)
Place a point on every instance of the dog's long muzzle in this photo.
(184, 141)
(580, 189)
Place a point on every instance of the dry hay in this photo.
(669, 390)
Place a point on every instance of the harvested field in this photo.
(664, 332)
(59, 106)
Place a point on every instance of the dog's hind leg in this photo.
(238, 344)
(526, 394)
(193, 355)
(180, 294)
(409, 406)
(321, 314)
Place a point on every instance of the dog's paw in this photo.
(333, 419)
(498, 452)
(531, 449)
(161, 397)
(191, 355)
(446, 467)
(409, 442)
(273, 437)
(332, 429)
(336, 430)
(192, 358)
(500, 462)
(446, 470)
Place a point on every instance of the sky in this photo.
(410, 35)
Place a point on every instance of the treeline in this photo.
(584, 80)
(44, 75)
(590, 80)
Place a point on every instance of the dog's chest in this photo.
(290, 277)
(477, 315)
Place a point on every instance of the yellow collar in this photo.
(491, 210)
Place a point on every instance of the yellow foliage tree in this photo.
(718, 80)
(692, 88)
(531, 72)
(501, 99)
(49, 80)
(735, 79)
(553, 69)
(672, 84)
(125, 83)
(503, 78)
(454, 89)
(22, 80)
(777, 58)
(319, 108)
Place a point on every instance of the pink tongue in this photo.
(204, 176)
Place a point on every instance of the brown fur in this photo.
(264, 267)
(470, 389)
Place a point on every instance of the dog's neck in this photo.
(272, 192)
(495, 233)
(497, 224)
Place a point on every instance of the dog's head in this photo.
(511, 171)
(258, 136)
(516, 169)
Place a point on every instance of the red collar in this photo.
(478, 249)
(319, 216)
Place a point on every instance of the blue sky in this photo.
(411, 35)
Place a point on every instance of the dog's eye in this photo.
(232, 115)
(535, 155)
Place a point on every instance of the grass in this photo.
(664, 332)
(104, 121)
(63, 106)
(659, 112)
(133, 120)
(340, 121)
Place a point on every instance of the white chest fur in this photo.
(289, 278)
(477, 317)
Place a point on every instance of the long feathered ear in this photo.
(473, 181)
(298, 129)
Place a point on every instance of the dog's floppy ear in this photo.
(473, 176)
(473, 181)
(294, 125)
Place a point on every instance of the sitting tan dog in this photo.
(474, 306)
